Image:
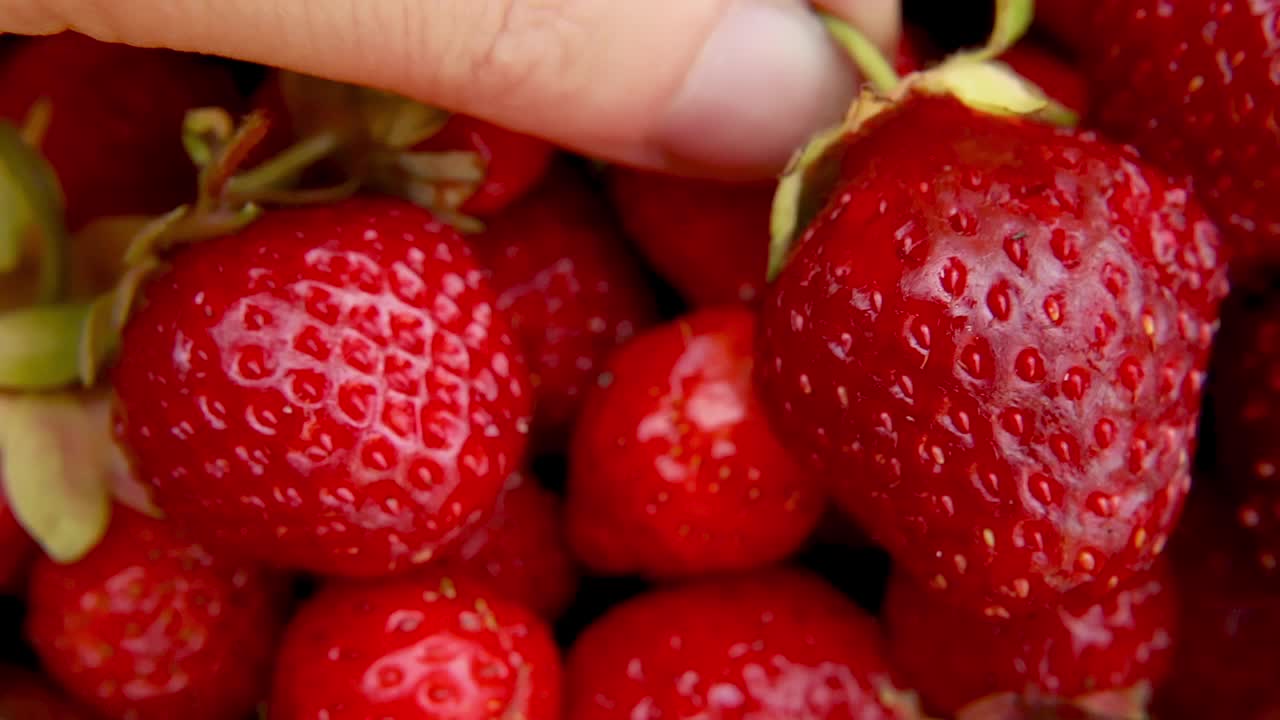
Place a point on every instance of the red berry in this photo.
(953, 657)
(329, 389)
(115, 135)
(779, 644)
(26, 696)
(993, 339)
(150, 625)
(429, 647)
(674, 469)
(513, 162)
(521, 551)
(570, 289)
(1193, 85)
(708, 238)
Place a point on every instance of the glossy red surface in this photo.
(330, 389)
(522, 551)
(994, 341)
(570, 289)
(1195, 86)
(781, 645)
(674, 469)
(429, 648)
(150, 626)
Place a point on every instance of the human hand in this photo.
(728, 87)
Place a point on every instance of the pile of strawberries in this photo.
(322, 404)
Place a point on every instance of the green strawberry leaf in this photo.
(31, 213)
(56, 467)
(38, 346)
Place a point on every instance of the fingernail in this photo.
(766, 80)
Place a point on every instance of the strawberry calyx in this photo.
(976, 78)
(60, 467)
(1118, 704)
(33, 235)
(60, 464)
(378, 132)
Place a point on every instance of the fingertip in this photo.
(767, 78)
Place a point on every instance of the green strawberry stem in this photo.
(285, 170)
(875, 67)
(377, 132)
(31, 214)
(1013, 20)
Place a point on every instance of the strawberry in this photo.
(708, 238)
(330, 388)
(1225, 663)
(1121, 645)
(151, 625)
(429, 647)
(780, 644)
(26, 696)
(1193, 86)
(570, 289)
(674, 469)
(17, 550)
(992, 337)
(114, 135)
(521, 551)
(1246, 403)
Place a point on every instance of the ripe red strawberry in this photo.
(26, 696)
(569, 288)
(1225, 663)
(708, 238)
(780, 644)
(114, 136)
(521, 551)
(150, 625)
(329, 389)
(1246, 399)
(993, 338)
(430, 647)
(1193, 86)
(17, 550)
(674, 469)
(1121, 645)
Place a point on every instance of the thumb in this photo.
(734, 85)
